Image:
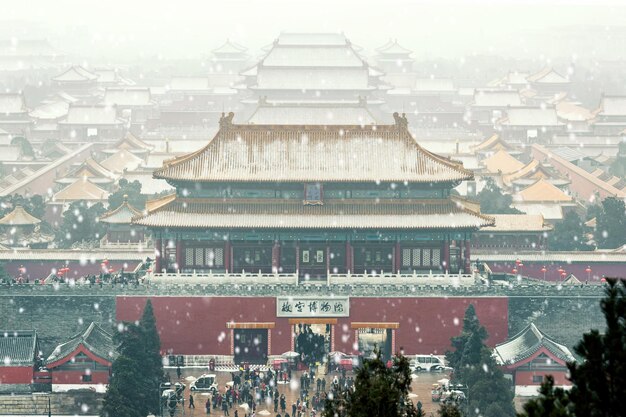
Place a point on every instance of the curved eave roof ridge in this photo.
(124, 206)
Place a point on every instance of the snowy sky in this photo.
(431, 28)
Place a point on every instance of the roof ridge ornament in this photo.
(226, 121)
(401, 121)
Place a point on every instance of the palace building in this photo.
(312, 200)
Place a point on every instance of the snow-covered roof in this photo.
(493, 142)
(121, 215)
(392, 47)
(75, 73)
(569, 154)
(12, 103)
(502, 162)
(542, 191)
(312, 56)
(95, 339)
(613, 106)
(121, 161)
(531, 116)
(230, 47)
(303, 39)
(310, 115)
(533, 169)
(81, 189)
(18, 348)
(189, 84)
(128, 96)
(346, 78)
(548, 76)
(573, 112)
(529, 342)
(92, 169)
(10, 153)
(313, 153)
(50, 111)
(549, 211)
(91, 115)
(497, 98)
(19, 217)
(336, 214)
(517, 223)
(149, 185)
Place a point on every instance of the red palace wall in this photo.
(16, 374)
(197, 325)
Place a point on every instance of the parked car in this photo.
(205, 382)
(429, 363)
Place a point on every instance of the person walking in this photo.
(178, 372)
(207, 406)
(324, 384)
(294, 407)
(283, 403)
(225, 408)
(191, 404)
(275, 403)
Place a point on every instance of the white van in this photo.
(429, 363)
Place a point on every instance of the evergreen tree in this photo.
(153, 365)
(130, 189)
(494, 201)
(569, 234)
(488, 391)
(552, 402)
(80, 224)
(129, 388)
(378, 391)
(449, 410)
(611, 224)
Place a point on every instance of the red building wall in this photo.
(76, 377)
(197, 325)
(16, 374)
(526, 377)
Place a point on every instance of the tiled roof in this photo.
(573, 112)
(121, 215)
(528, 342)
(502, 162)
(312, 56)
(51, 111)
(517, 223)
(497, 98)
(122, 160)
(348, 214)
(530, 116)
(494, 142)
(303, 39)
(313, 78)
(18, 348)
(392, 47)
(542, 191)
(128, 96)
(90, 168)
(548, 76)
(19, 217)
(12, 104)
(93, 338)
(132, 142)
(81, 189)
(434, 85)
(532, 170)
(190, 84)
(75, 73)
(91, 115)
(230, 47)
(273, 153)
(549, 211)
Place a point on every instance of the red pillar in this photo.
(349, 263)
(397, 259)
(158, 248)
(328, 258)
(467, 257)
(446, 255)
(297, 257)
(276, 257)
(227, 251)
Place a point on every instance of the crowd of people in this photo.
(252, 390)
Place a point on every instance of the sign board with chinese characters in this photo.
(312, 307)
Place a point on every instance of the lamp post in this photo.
(588, 271)
(544, 269)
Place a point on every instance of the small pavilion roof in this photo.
(335, 214)
(81, 189)
(542, 191)
(75, 73)
(90, 168)
(131, 143)
(230, 47)
(533, 169)
(548, 76)
(19, 217)
(18, 348)
(527, 343)
(95, 339)
(350, 153)
(121, 215)
(502, 162)
(392, 47)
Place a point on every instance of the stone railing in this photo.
(222, 278)
(106, 244)
(454, 280)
